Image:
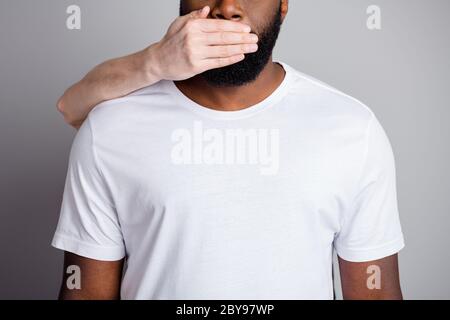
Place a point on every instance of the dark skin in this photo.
(354, 279)
(100, 280)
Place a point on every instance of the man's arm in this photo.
(100, 280)
(192, 45)
(377, 280)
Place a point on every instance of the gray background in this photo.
(401, 73)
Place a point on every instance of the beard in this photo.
(247, 70)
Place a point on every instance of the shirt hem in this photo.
(84, 249)
(364, 255)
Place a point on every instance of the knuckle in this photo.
(190, 58)
(191, 24)
(188, 41)
(191, 39)
(190, 63)
(188, 24)
(196, 69)
(189, 51)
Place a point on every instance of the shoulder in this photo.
(345, 114)
(147, 96)
(324, 100)
(113, 114)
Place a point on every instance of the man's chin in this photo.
(223, 81)
(239, 74)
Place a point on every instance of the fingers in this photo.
(217, 25)
(214, 25)
(217, 42)
(209, 64)
(229, 51)
(223, 38)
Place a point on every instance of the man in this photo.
(216, 173)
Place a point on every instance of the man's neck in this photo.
(233, 98)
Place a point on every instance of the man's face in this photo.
(265, 19)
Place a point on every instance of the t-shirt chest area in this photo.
(205, 169)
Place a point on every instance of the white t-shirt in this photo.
(247, 204)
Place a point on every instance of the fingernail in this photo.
(253, 47)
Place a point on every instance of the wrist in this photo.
(150, 63)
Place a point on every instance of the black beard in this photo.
(247, 70)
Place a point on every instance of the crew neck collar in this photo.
(272, 99)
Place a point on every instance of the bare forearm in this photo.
(112, 79)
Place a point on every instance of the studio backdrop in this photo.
(393, 55)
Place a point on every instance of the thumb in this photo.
(181, 20)
(199, 14)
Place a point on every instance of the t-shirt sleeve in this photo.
(88, 224)
(371, 229)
